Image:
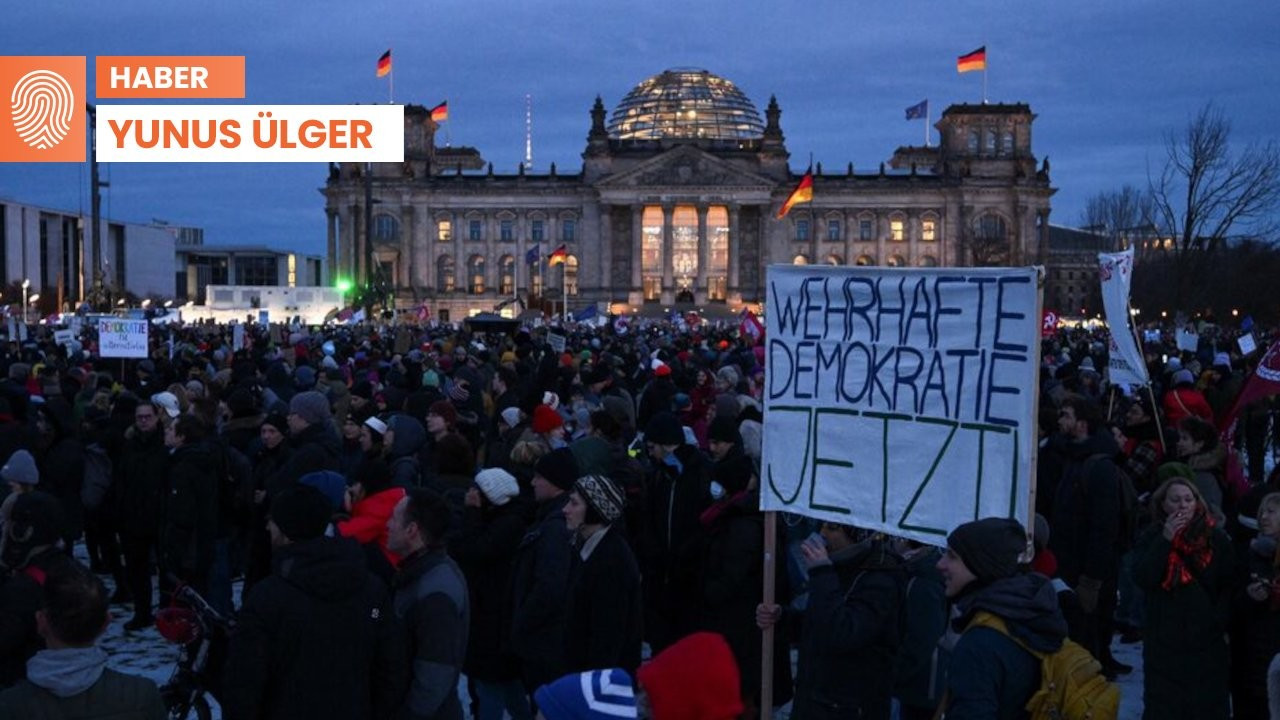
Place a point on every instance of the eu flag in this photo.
(531, 256)
(918, 111)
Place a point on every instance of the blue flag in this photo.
(531, 256)
(918, 111)
(585, 313)
(1247, 323)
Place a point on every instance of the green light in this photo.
(343, 284)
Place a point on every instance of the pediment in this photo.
(686, 166)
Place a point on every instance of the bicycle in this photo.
(203, 634)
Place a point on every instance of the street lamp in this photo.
(26, 314)
(26, 284)
(168, 304)
(146, 303)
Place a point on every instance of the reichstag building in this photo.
(675, 205)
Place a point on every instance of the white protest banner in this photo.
(1125, 365)
(237, 337)
(556, 341)
(63, 337)
(120, 338)
(900, 399)
(1188, 340)
(1247, 344)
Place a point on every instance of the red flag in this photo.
(751, 327)
(976, 60)
(802, 194)
(559, 256)
(384, 64)
(1264, 382)
(440, 113)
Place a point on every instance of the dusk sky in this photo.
(1107, 79)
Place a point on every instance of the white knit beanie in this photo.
(498, 485)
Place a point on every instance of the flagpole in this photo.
(926, 122)
(391, 84)
(564, 284)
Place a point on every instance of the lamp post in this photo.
(26, 314)
(26, 285)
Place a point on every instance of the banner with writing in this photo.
(1125, 365)
(120, 338)
(900, 400)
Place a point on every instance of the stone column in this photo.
(357, 250)
(424, 273)
(459, 259)
(637, 247)
(668, 262)
(331, 225)
(735, 246)
(704, 254)
(604, 282)
(406, 247)
(882, 230)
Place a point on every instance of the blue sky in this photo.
(1107, 80)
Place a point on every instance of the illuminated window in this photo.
(571, 274)
(444, 231)
(866, 231)
(293, 270)
(507, 231)
(833, 230)
(444, 273)
(865, 261)
(897, 230)
(896, 261)
(928, 230)
(651, 251)
(475, 230)
(800, 260)
(802, 231)
(834, 260)
(718, 253)
(684, 241)
(507, 275)
(475, 272)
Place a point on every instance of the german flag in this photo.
(440, 113)
(976, 60)
(802, 194)
(384, 64)
(558, 257)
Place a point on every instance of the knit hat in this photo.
(662, 370)
(1175, 470)
(594, 695)
(168, 402)
(445, 410)
(724, 430)
(559, 467)
(20, 468)
(1181, 377)
(376, 425)
(681, 402)
(603, 495)
(311, 406)
(989, 547)
(301, 512)
(551, 400)
(498, 485)
(431, 378)
(277, 421)
(664, 429)
(729, 375)
(304, 377)
(545, 419)
(511, 416)
(694, 679)
(331, 484)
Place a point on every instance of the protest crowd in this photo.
(566, 523)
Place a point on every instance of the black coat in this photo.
(1086, 536)
(115, 695)
(316, 639)
(540, 590)
(670, 550)
(850, 630)
(603, 625)
(140, 481)
(316, 448)
(485, 550)
(1255, 626)
(61, 468)
(190, 519)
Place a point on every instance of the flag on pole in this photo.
(802, 194)
(751, 327)
(440, 113)
(531, 255)
(384, 64)
(1264, 382)
(558, 256)
(976, 60)
(586, 313)
(918, 111)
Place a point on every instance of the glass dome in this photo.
(686, 103)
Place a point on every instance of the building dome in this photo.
(685, 103)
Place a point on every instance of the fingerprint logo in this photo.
(43, 104)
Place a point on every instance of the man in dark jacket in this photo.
(316, 446)
(849, 629)
(991, 675)
(189, 522)
(315, 639)
(70, 679)
(679, 491)
(32, 550)
(540, 577)
(1086, 524)
(403, 442)
(140, 480)
(431, 601)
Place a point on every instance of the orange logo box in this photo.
(153, 77)
(42, 109)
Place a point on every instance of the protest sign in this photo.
(1048, 324)
(1188, 340)
(900, 400)
(1125, 365)
(1247, 344)
(556, 341)
(63, 337)
(120, 338)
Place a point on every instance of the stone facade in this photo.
(649, 223)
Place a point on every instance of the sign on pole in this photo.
(120, 338)
(1125, 365)
(900, 400)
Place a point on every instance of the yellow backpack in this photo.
(1072, 686)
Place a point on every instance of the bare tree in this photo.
(1205, 195)
(1116, 214)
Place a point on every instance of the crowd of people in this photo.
(576, 533)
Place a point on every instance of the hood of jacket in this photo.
(325, 568)
(67, 672)
(378, 505)
(408, 436)
(1028, 604)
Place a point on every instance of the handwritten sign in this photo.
(900, 399)
(120, 338)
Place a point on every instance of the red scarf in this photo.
(1192, 551)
